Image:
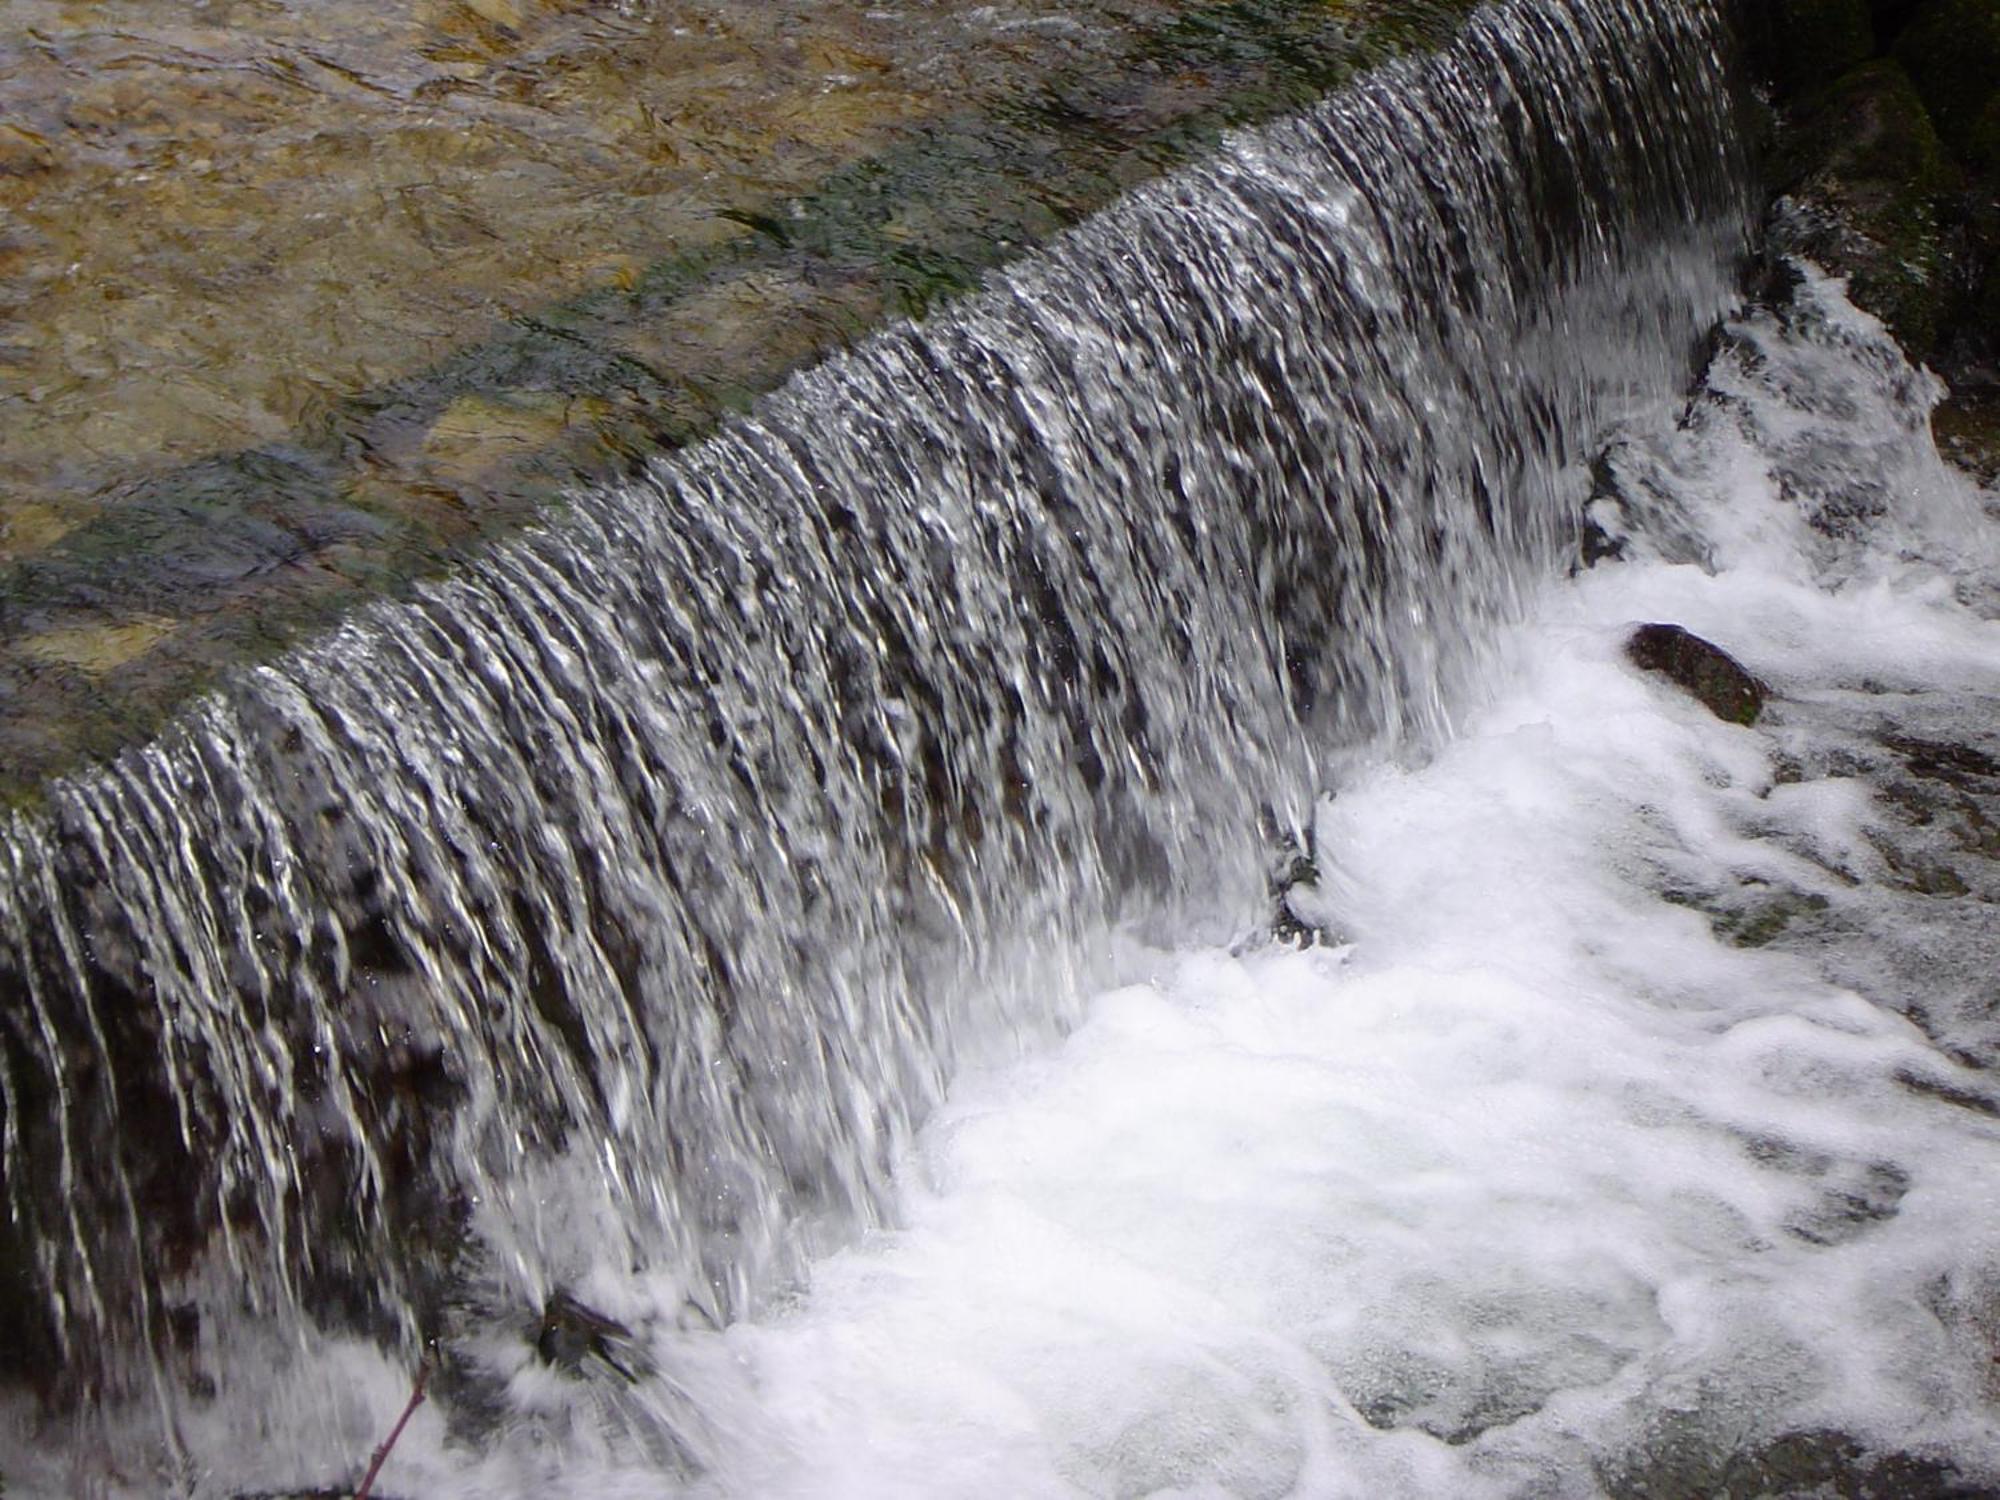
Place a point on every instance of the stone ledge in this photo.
(439, 278)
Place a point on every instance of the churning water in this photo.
(1531, 1185)
(596, 931)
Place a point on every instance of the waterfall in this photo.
(630, 895)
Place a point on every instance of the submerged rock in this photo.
(1821, 1464)
(1705, 671)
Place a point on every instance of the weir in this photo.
(628, 899)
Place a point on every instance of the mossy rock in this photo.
(1804, 44)
(1982, 142)
(1765, 918)
(1866, 157)
(1870, 126)
(1968, 432)
(1952, 52)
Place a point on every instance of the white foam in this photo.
(1532, 1177)
(1531, 1180)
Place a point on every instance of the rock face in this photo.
(1806, 42)
(1866, 171)
(1887, 162)
(1820, 1462)
(1706, 672)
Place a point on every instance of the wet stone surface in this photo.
(297, 301)
(1907, 916)
(1810, 1465)
(1701, 669)
(1886, 157)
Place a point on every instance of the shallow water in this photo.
(231, 215)
(299, 300)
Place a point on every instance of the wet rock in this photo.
(1915, 870)
(1949, 1091)
(1891, 16)
(577, 1339)
(28, 527)
(1965, 819)
(1850, 1202)
(1753, 913)
(98, 649)
(24, 152)
(1764, 920)
(1938, 760)
(478, 434)
(1624, 486)
(1968, 427)
(1595, 542)
(1862, 169)
(1706, 672)
(1302, 915)
(1888, 167)
(30, 1340)
(176, 544)
(1812, 1465)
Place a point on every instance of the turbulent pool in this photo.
(1545, 1175)
(1540, 1174)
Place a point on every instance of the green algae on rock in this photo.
(1707, 673)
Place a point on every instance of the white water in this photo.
(1531, 1155)
(1526, 1183)
(632, 893)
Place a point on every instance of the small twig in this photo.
(409, 1410)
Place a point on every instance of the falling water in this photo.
(630, 896)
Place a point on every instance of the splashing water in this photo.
(605, 920)
(1551, 1178)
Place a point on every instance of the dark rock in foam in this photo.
(1705, 671)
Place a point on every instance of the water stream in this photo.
(589, 938)
(1634, 1135)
